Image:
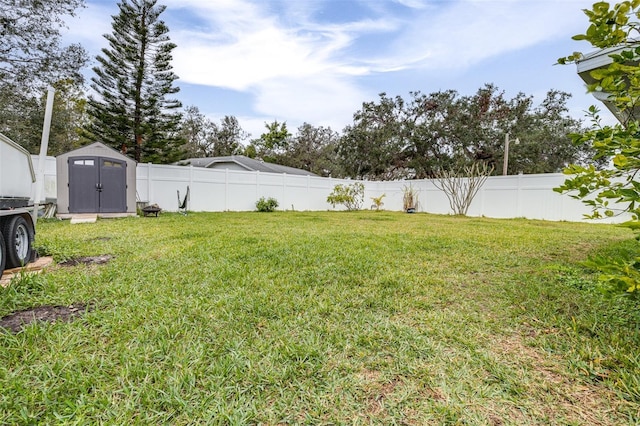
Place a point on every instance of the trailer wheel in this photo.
(3, 254)
(18, 238)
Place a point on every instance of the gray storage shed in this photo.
(96, 179)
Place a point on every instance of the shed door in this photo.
(97, 185)
(113, 186)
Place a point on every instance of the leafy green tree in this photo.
(429, 132)
(313, 149)
(207, 139)
(69, 117)
(373, 147)
(250, 151)
(277, 136)
(227, 138)
(616, 189)
(478, 130)
(195, 129)
(133, 111)
(31, 56)
(22, 117)
(273, 143)
(545, 145)
(419, 137)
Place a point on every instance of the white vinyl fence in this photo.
(518, 196)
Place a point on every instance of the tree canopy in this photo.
(32, 58)
(205, 138)
(398, 138)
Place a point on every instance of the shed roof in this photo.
(247, 163)
(94, 148)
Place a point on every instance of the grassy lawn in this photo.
(323, 318)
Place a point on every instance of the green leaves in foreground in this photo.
(615, 190)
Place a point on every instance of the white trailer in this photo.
(17, 230)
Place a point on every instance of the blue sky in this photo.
(316, 61)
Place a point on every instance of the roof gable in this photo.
(97, 148)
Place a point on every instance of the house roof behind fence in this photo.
(246, 163)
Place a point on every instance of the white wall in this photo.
(230, 190)
(527, 196)
(49, 191)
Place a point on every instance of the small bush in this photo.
(266, 204)
(377, 202)
(352, 196)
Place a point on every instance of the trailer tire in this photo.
(18, 239)
(3, 254)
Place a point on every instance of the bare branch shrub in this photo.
(461, 185)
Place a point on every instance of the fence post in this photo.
(481, 193)
(308, 197)
(519, 196)
(257, 184)
(226, 190)
(284, 187)
(190, 183)
(149, 184)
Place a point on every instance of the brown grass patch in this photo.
(377, 391)
(552, 393)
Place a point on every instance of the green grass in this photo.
(324, 318)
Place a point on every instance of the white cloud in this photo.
(464, 33)
(322, 101)
(299, 65)
(413, 4)
(255, 47)
(297, 73)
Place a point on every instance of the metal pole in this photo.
(44, 145)
(506, 155)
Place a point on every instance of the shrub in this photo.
(377, 202)
(352, 196)
(266, 204)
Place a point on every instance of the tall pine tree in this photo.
(132, 111)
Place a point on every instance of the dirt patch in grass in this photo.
(18, 320)
(90, 260)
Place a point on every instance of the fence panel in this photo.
(527, 196)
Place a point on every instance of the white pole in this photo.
(44, 145)
(506, 155)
